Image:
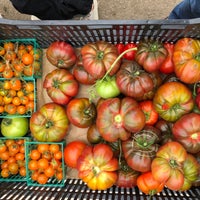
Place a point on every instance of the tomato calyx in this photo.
(100, 55)
(56, 83)
(154, 47)
(7, 121)
(96, 170)
(49, 124)
(197, 57)
(173, 163)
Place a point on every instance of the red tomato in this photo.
(150, 113)
(81, 112)
(167, 166)
(72, 151)
(167, 66)
(130, 55)
(120, 47)
(147, 184)
(61, 86)
(97, 167)
(61, 54)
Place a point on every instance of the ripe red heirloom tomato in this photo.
(131, 54)
(150, 113)
(172, 100)
(49, 123)
(61, 86)
(150, 54)
(118, 118)
(61, 54)
(186, 60)
(81, 112)
(97, 167)
(133, 81)
(140, 150)
(72, 151)
(167, 67)
(186, 130)
(147, 184)
(98, 57)
(167, 166)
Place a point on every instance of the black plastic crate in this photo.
(79, 33)
(77, 190)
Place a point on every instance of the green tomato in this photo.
(107, 88)
(14, 127)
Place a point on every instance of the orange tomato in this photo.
(16, 84)
(27, 59)
(35, 154)
(21, 109)
(2, 66)
(16, 101)
(29, 86)
(9, 46)
(28, 70)
(43, 147)
(42, 179)
(2, 51)
(12, 93)
(33, 165)
(30, 106)
(7, 99)
(24, 100)
(10, 108)
(7, 73)
(43, 163)
(54, 148)
(7, 85)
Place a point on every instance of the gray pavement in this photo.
(111, 9)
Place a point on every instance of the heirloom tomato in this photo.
(186, 130)
(82, 76)
(107, 87)
(191, 171)
(133, 81)
(93, 135)
(72, 151)
(120, 47)
(81, 112)
(118, 118)
(98, 58)
(148, 185)
(150, 55)
(127, 177)
(97, 167)
(167, 166)
(140, 150)
(61, 86)
(49, 123)
(186, 58)
(165, 128)
(167, 67)
(131, 54)
(172, 100)
(150, 113)
(61, 54)
(14, 127)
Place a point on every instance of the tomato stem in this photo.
(92, 93)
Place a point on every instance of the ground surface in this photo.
(111, 9)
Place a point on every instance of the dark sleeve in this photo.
(187, 9)
(53, 9)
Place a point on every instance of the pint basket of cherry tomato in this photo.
(20, 58)
(45, 164)
(12, 159)
(17, 97)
